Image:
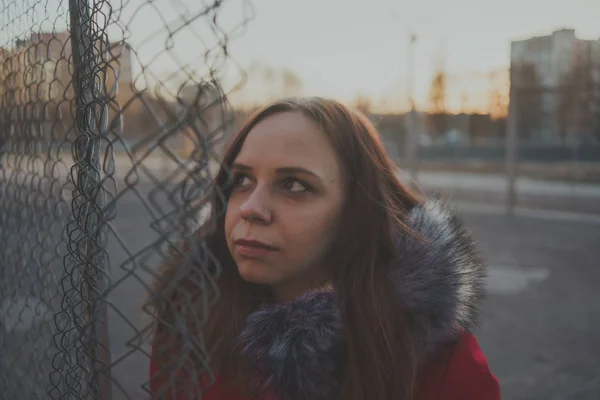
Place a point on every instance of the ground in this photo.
(540, 323)
(541, 333)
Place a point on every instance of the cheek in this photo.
(311, 234)
(231, 216)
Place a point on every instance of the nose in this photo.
(257, 207)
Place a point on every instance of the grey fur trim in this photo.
(297, 348)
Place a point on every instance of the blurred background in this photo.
(114, 114)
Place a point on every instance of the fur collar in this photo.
(439, 279)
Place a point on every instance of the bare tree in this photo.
(437, 93)
(266, 83)
(363, 103)
(438, 115)
(528, 94)
(576, 113)
(498, 98)
(291, 83)
(280, 82)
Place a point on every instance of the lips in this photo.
(253, 248)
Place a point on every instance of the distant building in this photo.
(556, 83)
(119, 58)
(122, 53)
(37, 73)
(201, 107)
(40, 66)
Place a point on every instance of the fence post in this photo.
(90, 107)
(411, 153)
(412, 134)
(511, 151)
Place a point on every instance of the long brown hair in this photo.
(380, 350)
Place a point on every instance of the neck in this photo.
(289, 291)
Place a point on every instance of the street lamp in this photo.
(411, 144)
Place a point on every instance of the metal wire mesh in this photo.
(112, 119)
(547, 158)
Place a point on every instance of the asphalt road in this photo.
(540, 331)
(529, 193)
(541, 322)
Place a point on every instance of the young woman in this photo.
(335, 281)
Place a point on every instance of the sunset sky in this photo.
(341, 48)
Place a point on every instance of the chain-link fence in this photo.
(545, 154)
(112, 118)
(553, 136)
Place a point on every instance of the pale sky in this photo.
(340, 48)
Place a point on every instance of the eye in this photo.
(241, 181)
(293, 185)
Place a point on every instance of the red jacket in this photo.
(461, 373)
(438, 284)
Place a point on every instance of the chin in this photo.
(254, 273)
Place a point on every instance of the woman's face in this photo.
(285, 206)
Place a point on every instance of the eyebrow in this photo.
(281, 170)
